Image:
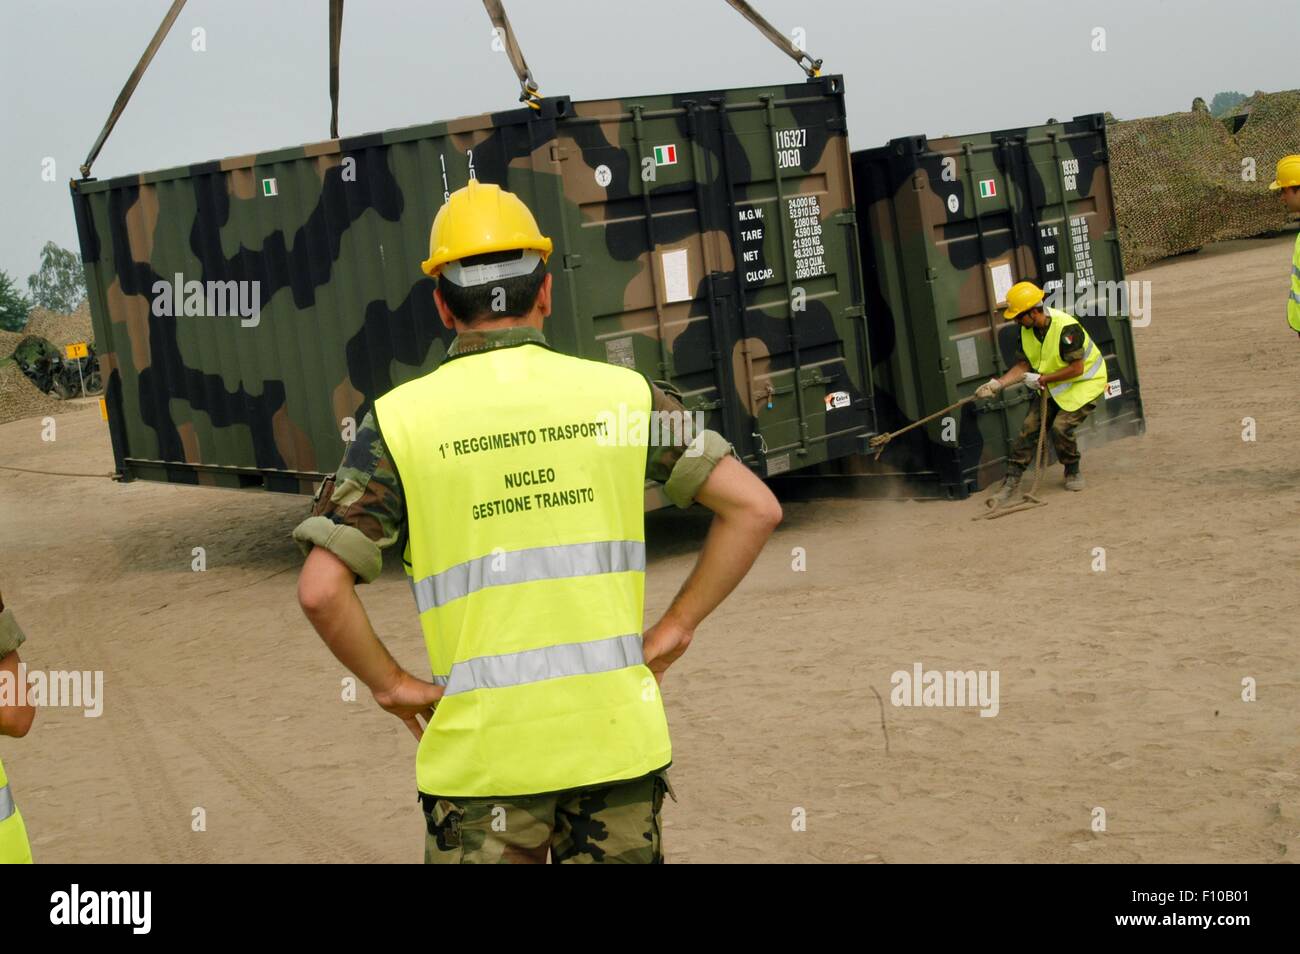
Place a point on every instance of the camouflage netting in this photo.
(1178, 178)
(57, 329)
(19, 397)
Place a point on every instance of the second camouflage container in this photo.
(947, 227)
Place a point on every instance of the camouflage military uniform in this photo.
(617, 823)
(360, 512)
(1061, 425)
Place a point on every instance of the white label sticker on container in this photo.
(838, 399)
(1113, 389)
(269, 187)
(603, 176)
(619, 351)
(954, 203)
(778, 465)
(677, 278)
(1001, 278)
(967, 357)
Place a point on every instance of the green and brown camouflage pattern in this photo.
(938, 251)
(346, 314)
(619, 823)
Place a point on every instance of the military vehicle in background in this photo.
(54, 374)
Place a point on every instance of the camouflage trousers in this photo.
(613, 824)
(1061, 427)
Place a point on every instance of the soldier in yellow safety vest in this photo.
(521, 504)
(15, 720)
(1056, 353)
(1288, 183)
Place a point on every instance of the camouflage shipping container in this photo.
(947, 226)
(706, 239)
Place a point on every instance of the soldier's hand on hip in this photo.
(663, 644)
(410, 699)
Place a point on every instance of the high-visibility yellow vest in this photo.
(1045, 358)
(14, 849)
(1293, 303)
(526, 554)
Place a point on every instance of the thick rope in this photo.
(50, 473)
(1029, 501)
(880, 440)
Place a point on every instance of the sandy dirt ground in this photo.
(1119, 690)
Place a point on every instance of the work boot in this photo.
(1073, 479)
(1007, 490)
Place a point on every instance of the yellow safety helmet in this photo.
(1022, 297)
(478, 219)
(1288, 173)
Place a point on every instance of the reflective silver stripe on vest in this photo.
(7, 806)
(524, 566)
(1087, 375)
(536, 665)
(1295, 297)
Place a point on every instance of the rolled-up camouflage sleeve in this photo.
(360, 511)
(680, 457)
(1072, 344)
(11, 634)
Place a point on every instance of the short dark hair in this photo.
(473, 302)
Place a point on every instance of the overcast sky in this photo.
(936, 67)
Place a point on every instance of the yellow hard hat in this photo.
(1022, 297)
(478, 219)
(1288, 173)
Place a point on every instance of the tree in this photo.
(1223, 103)
(60, 283)
(13, 305)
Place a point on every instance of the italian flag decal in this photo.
(988, 188)
(666, 155)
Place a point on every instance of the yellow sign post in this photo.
(74, 351)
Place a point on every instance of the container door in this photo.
(793, 312)
(712, 246)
